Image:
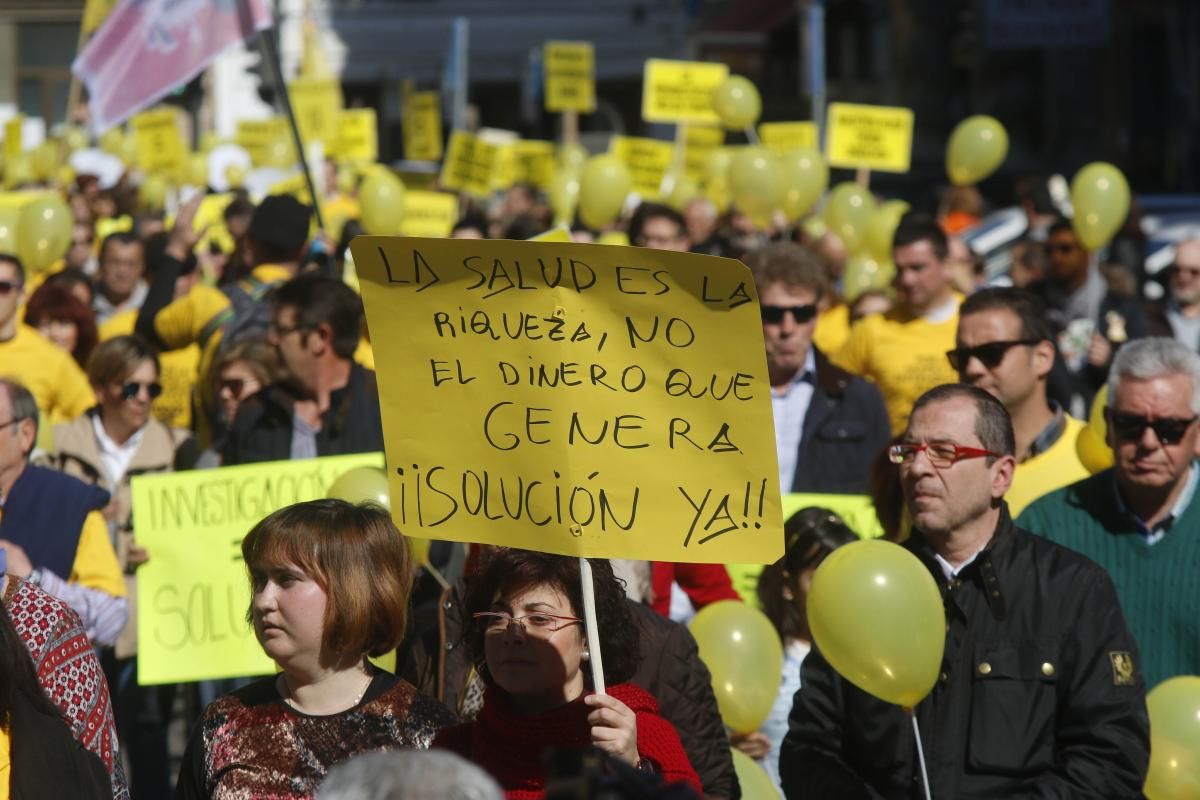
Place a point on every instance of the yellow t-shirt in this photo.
(95, 564)
(833, 328)
(59, 386)
(178, 375)
(1045, 472)
(902, 355)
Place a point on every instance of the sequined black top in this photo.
(251, 744)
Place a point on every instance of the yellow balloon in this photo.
(862, 273)
(977, 146)
(10, 220)
(814, 228)
(1174, 707)
(236, 176)
(152, 194)
(347, 180)
(755, 782)
(1100, 196)
(882, 227)
(74, 138)
(129, 150)
(877, 616)
(44, 159)
(716, 164)
(753, 178)
(847, 212)
(741, 649)
(1092, 444)
(66, 176)
(208, 141)
(361, 485)
(571, 157)
(564, 196)
(44, 230)
(683, 192)
(112, 141)
(382, 201)
(18, 171)
(803, 176)
(603, 187)
(197, 170)
(737, 103)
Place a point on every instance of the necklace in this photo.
(286, 694)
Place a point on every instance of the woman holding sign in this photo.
(329, 583)
(530, 648)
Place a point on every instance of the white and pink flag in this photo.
(147, 48)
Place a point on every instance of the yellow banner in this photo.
(430, 214)
(570, 70)
(578, 399)
(700, 141)
(316, 103)
(469, 164)
(783, 137)
(681, 91)
(647, 159)
(12, 138)
(869, 137)
(422, 127)
(268, 142)
(158, 142)
(193, 592)
(357, 139)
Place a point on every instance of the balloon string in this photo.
(920, 753)
(752, 135)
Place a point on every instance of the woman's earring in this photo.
(586, 655)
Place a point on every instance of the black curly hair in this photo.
(505, 571)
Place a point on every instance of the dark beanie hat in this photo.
(280, 221)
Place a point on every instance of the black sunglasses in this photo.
(1129, 427)
(131, 389)
(773, 315)
(7, 287)
(990, 354)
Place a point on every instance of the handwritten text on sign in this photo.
(578, 399)
(193, 592)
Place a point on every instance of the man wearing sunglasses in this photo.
(829, 424)
(1004, 347)
(1039, 690)
(1140, 520)
(903, 352)
(1178, 315)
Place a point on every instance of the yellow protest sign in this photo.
(647, 160)
(357, 138)
(681, 91)
(570, 82)
(158, 141)
(559, 233)
(193, 592)
(316, 103)
(12, 138)
(430, 214)
(422, 126)
(577, 399)
(783, 137)
(268, 142)
(700, 141)
(869, 137)
(469, 164)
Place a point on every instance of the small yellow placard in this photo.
(586, 400)
(431, 214)
(681, 91)
(783, 137)
(158, 141)
(12, 138)
(647, 160)
(534, 161)
(469, 164)
(357, 139)
(570, 76)
(422, 126)
(268, 142)
(316, 103)
(699, 143)
(869, 137)
(193, 592)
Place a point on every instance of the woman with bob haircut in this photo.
(529, 645)
(329, 586)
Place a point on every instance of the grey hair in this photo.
(409, 775)
(1155, 357)
(24, 406)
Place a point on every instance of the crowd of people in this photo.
(955, 402)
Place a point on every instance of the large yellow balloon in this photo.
(572, 157)
(741, 649)
(877, 616)
(361, 485)
(753, 178)
(862, 273)
(755, 782)
(44, 231)
(1100, 195)
(737, 103)
(847, 213)
(882, 227)
(382, 200)
(564, 196)
(152, 194)
(683, 191)
(716, 178)
(112, 141)
(803, 176)
(1092, 445)
(977, 146)
(1174, 707)
(603, 188)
